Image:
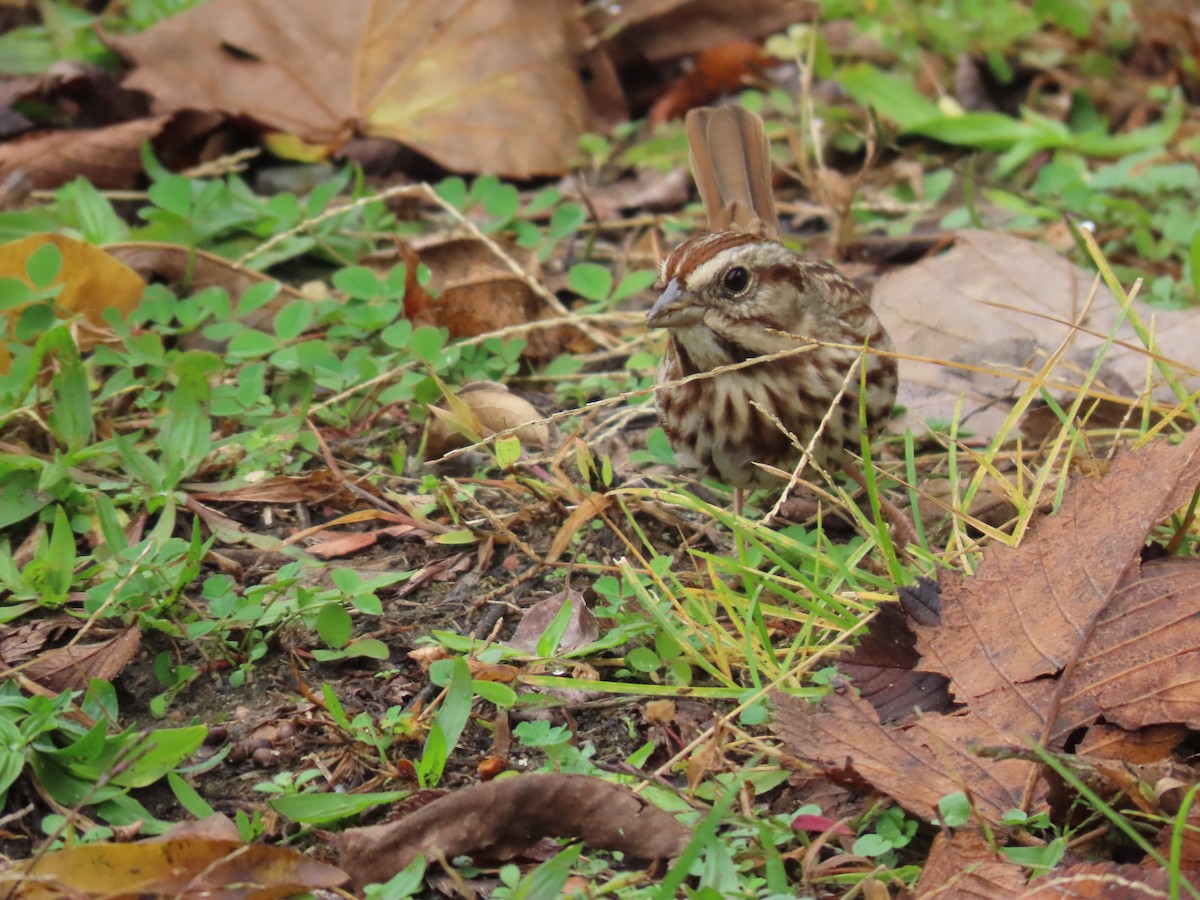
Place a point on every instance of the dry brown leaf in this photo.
(21, 642)
(665, 29)
(582, 627)
(943, 308)
(1099, 634)
(1146, 745)
(489, 407)
(318, 486)
(961, 866)
(221, 869)
(72, 667)
(1100, 881)
(477, 292)
(884, 664)
(591, 506)
(476, 86)
(916, 764)
(501, 818)
(1074, 588)
(110, 158)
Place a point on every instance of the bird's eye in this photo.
(737, 279)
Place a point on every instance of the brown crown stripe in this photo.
(696, 251)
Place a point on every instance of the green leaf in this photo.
(642, 659)
(494, 692)
(34, 320)
(427, 342)
(457, 536)
(44, 265)
(334, 625)
(358, 281)
(893, 98)
(397, 335)
(172, 193)
(954, 809)
(589, 280)
(566, 219)
(14, 292)
(321, 809)
(1194, 258)
(19, 496)
(366, 648)
(870, 845)
(186, 433)
(508, 451)
(137, 465)
(453, 190)
(70, 398)
(549, 639)
(161, 751)
(92, 212)
(450, 722)
(633, 283)
(250, 343)
(401, 886)
(187, 796)
(502, 202)
(291, 321)
(548, 879)
(12, 756)
(59, 561)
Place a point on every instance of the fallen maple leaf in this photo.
(1043, 641)
(478, 86)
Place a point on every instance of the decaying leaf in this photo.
(582, 627)
(72, 667)
(477, 292)
(476, 86)
(884, 664)
(219, 869)
(992, 302)
(483, 409)
(500, 818)
(1099, 633)
(1100, 881)
(962, 866)
(107, 157)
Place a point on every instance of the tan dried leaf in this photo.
(991, 302)
(476, 86)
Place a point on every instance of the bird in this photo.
(736, 293)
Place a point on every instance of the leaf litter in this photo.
(1077, 627)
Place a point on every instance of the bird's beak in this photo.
(674, 308)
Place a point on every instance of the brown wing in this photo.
(731, 162)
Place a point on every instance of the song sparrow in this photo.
(726, 298)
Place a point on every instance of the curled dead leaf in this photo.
(501, 818)
(484, 408)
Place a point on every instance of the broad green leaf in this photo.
(70, 398)
(19, 495)
(508, 451)
(894, 98)
(334, 625)
(321, 809)
(589, 280)
(44, 265)
(186, 433)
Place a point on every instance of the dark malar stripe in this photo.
(736, 352)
